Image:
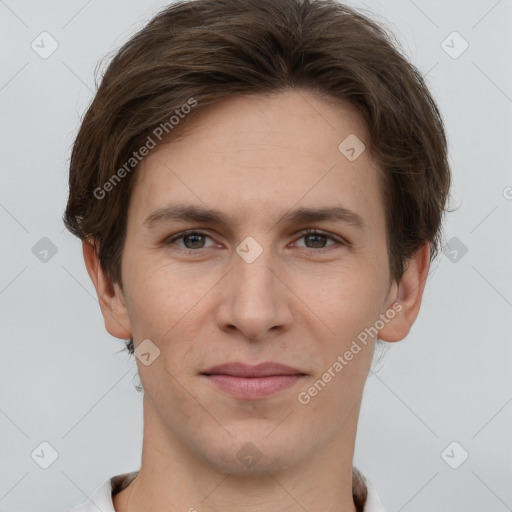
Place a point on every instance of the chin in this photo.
(254, 455)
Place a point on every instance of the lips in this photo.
(266, 369)
(253, 382)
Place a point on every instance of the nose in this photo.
(255, 300)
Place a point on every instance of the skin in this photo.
(254, 158)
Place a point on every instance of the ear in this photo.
(110, 296)
(405, 297)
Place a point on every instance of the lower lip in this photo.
(253, 387)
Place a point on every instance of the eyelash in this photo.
(310, 231)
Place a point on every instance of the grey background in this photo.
(64, 380)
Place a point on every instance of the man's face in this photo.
(284, 296)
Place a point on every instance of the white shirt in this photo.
(101, 498)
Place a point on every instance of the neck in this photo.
(174, 478)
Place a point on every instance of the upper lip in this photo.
(266, 369)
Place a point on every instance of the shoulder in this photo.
(364, 493)
(101, 497)
(373, 503)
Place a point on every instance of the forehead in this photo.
(253, 156)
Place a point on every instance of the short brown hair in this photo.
(209, 50)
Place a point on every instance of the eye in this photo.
(192, 239)
(318, 239)
(195, 240)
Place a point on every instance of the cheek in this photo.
(348, 306)
(165, 298)
(154, 304)
(345, 299)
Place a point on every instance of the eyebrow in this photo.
(191, 213)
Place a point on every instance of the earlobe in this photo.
(110, 296)
(408, 293)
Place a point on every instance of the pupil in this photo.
(318, 240)
(187, 237)
(317, 237)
